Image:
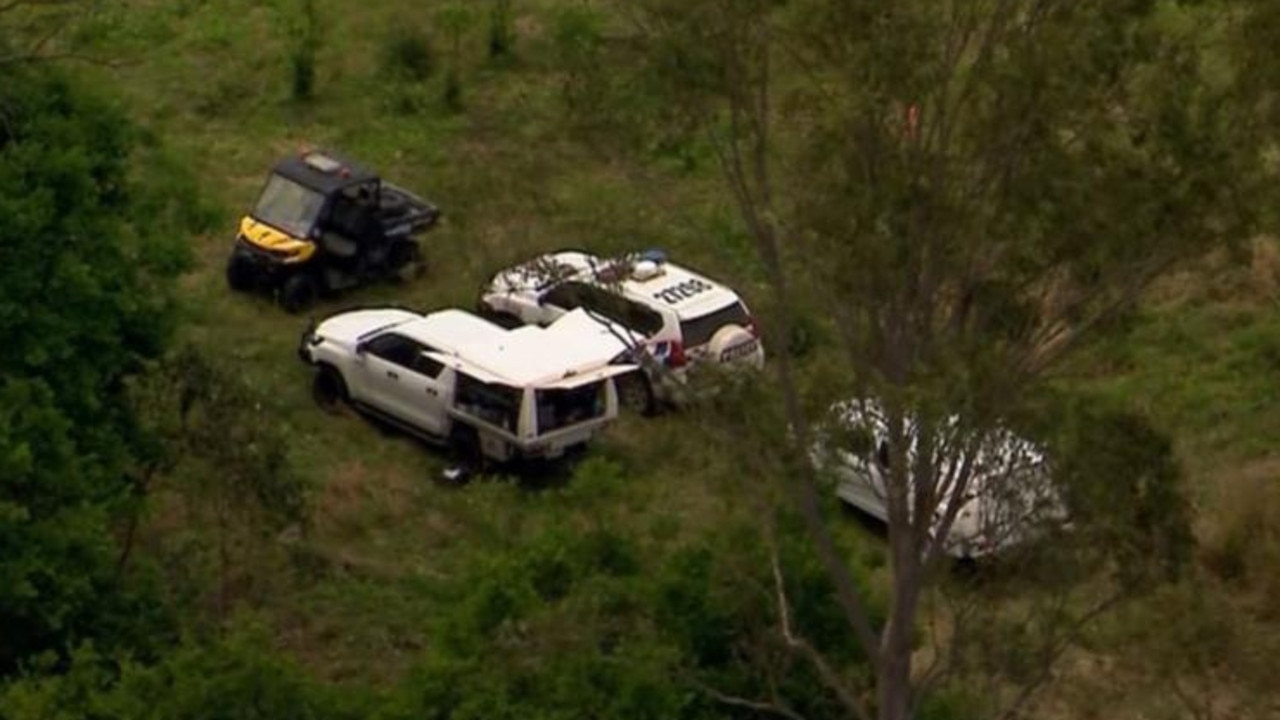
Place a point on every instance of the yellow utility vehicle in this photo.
(323, 224)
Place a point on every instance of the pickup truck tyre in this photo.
(329, 389)
(241, 275)
(464, 447)
(635, 394)
(298, 292)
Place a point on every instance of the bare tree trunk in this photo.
(893, 677)
(131, 530)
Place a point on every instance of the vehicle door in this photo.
(401, 381)
(862, 478)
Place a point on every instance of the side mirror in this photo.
(362, 348)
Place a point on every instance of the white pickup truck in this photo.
(451, 377)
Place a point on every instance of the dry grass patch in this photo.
(1241, 532)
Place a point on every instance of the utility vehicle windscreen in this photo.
(288, 206)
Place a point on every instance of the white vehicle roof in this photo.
(1003, 454)
(574, 350)
(1001, 449)
(644, 288)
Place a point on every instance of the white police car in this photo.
(1010, 497)
(681, 318)
(452, 377)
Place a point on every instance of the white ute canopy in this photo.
(575, 350)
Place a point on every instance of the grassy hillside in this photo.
(514, 176)
(519, 166)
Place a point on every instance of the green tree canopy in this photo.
(86, 255)
(967, 190)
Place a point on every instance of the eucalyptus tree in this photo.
(967, 190)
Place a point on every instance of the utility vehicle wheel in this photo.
(240, 273)
(406, 261)
(298, 292)
(635, 394)
(329, 389)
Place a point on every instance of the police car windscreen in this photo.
(288, 206)
(699, 331)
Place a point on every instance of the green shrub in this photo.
(408, 54)
(501, 34)
(303, 62)
(452, 95)
(1243, 544)
(240, 677)
(577, 38)
(302, 56)
(85, 301)
(1124, 487)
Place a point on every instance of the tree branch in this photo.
(1055, 653)
(729, 152)
(771, 708)
(829, 676)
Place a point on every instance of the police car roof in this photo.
(523, 357)
(711, 297)
(323, 171)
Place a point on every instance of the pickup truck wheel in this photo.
(298, 293)
(329, 389)
(465, 450)
(635, 394)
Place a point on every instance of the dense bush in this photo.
(84, 302)
(239, 677)
(1125, 489)
(408, 54)
(577, 618)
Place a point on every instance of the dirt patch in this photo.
(1248, 276)
(1240, 530)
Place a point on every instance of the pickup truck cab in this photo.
(451, 377)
